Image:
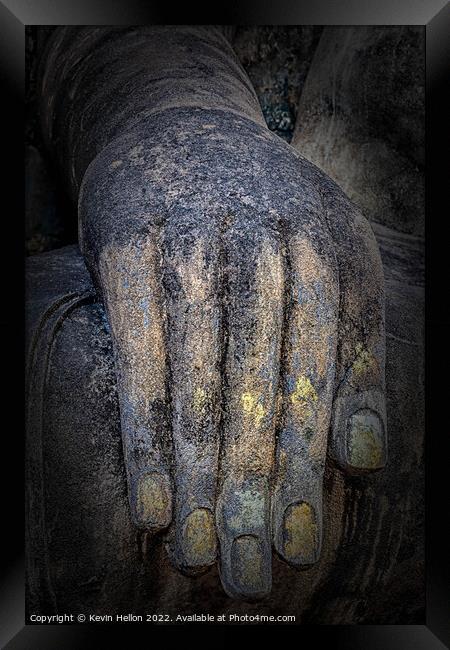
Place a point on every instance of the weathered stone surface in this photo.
(243, 290)
(277, 59)
(229, 247)
(361, 119)
(371, 566)
(159, 217)
(86, 101)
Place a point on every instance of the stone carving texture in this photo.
(362, 117)
(243, 295)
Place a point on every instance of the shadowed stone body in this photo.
(361, 118)
(243, 294)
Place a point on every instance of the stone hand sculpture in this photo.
(243, 290)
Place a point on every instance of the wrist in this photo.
(97, 85)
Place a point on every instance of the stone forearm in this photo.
(98, 84)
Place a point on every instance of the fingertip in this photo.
(250, 573)
(245, 545)
(152, 501)
(359, 440)
(298, 534)
(301, 540)
(197, 541)
(365, 446)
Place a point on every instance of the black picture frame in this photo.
(435, 16)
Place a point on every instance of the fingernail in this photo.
(153, 500)
(199, 538)
(250, 575)
(366, 447)
(300, 534)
